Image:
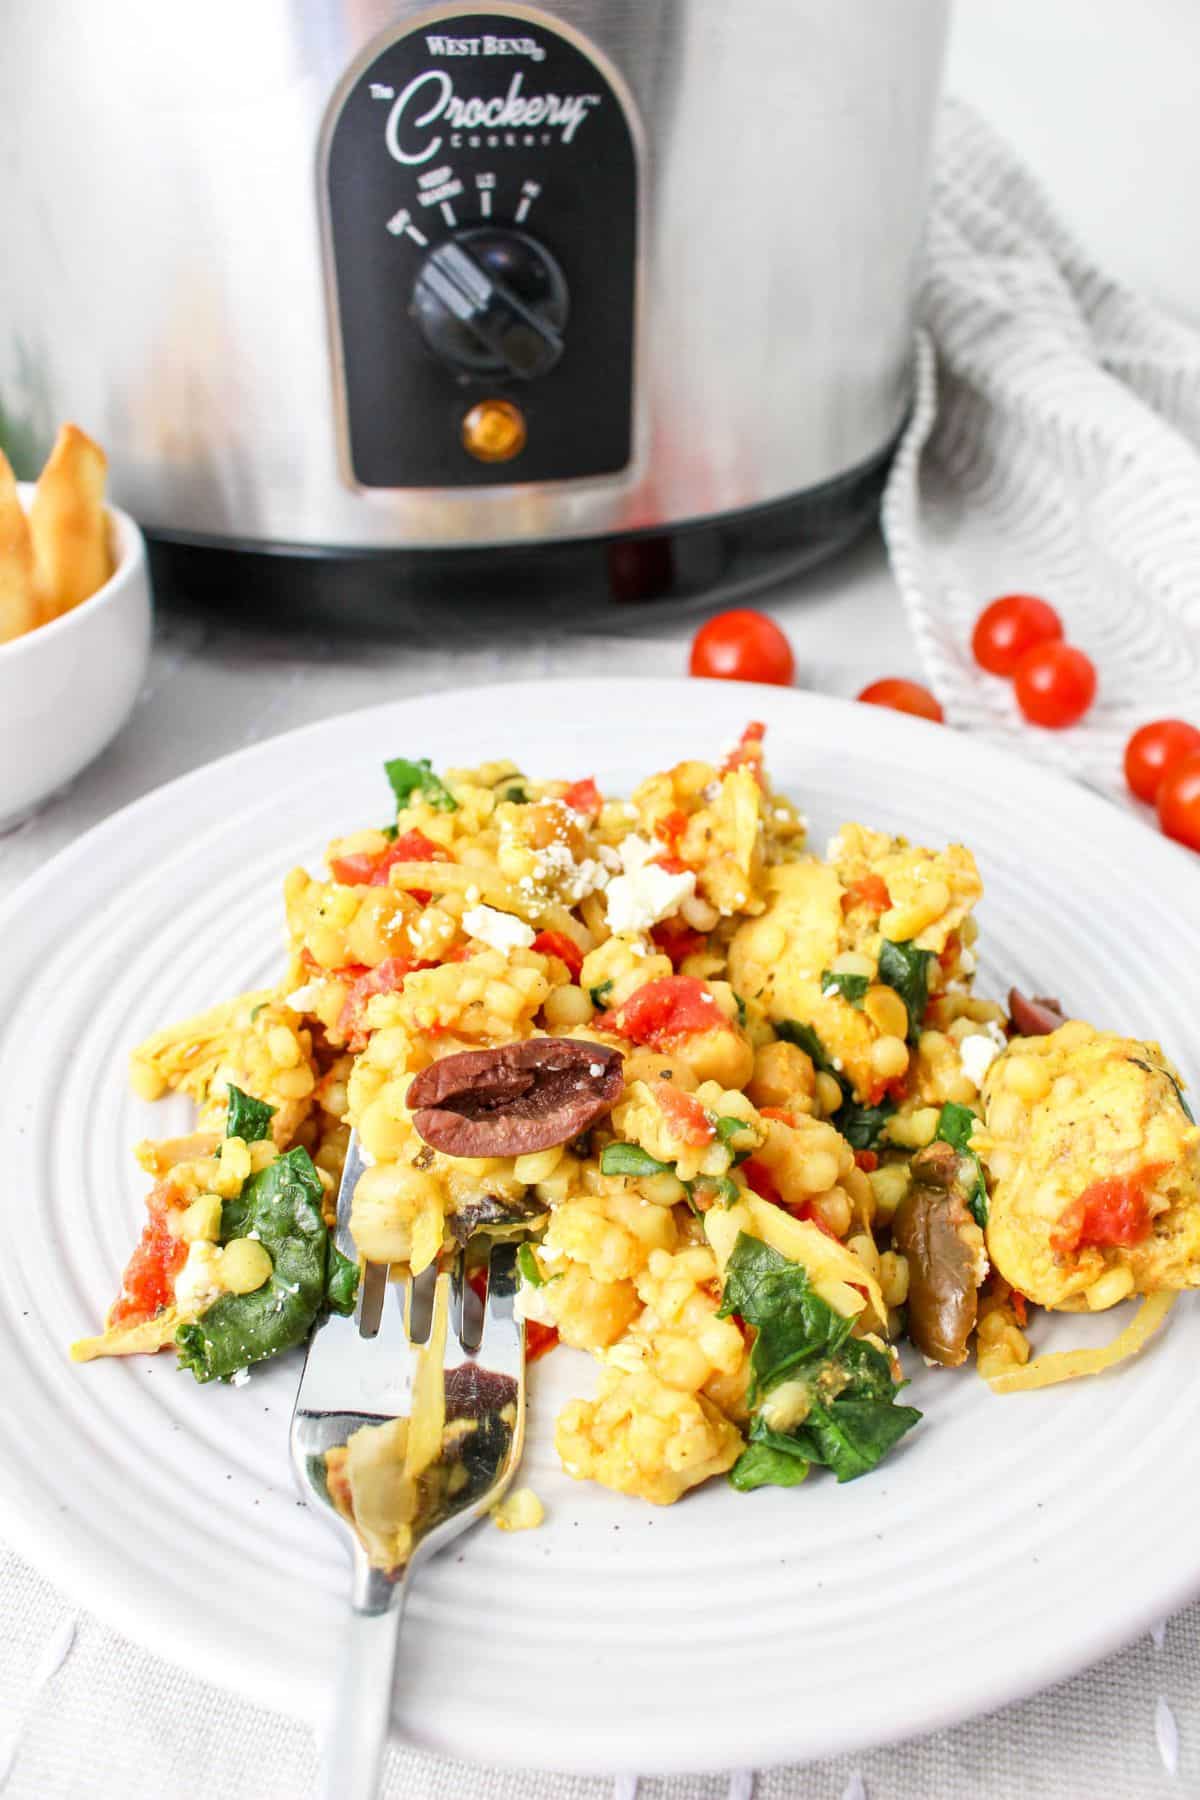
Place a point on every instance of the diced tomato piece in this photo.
(367, 869)
(149, 1282)
(1108, 1214)
(677, 940)
(809, 1214)
(949, 955)
(557, 943)
(684, 1114)
(539, 1339)
(869, 890)
(583, 796)
(355, 870)
(673, 865)
(1020, 1306)
(748, 752)
(759, 1178)
(866, 1160)
(671, 827)
(387, 978)
(672, 1007)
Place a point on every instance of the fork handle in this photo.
(354, 1745)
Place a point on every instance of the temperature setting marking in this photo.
(438, 187)
(529, 193)
(486, 185)
(400, 225)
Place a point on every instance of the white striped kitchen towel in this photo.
(1054, 449)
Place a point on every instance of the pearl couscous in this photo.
(798, 1141)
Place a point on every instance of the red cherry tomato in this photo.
(1055, 684)
(557, 943)
(903, 696)
(1009, 627)
(743, 645)
(1153, 750)
(670, 1007)
(1179, 802)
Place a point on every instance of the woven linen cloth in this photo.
(1054, 449)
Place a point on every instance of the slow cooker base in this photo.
(583, 580)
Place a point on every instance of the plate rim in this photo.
(61, 1555)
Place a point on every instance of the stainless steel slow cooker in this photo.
(376, 304)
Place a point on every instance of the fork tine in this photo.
(502, 1344)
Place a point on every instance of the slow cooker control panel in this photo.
(481, 208)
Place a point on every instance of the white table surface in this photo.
(115, 1721)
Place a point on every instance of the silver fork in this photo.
(360, 1371)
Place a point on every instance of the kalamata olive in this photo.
(943, 1245)
(516, 1098)
(1034, 1017)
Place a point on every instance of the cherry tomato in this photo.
(684, 1114)
(149, 1281)
(670, 1007)
(1179, 802)
(743, 645)
(1055, 684)
(362, 869)
(1153, 750)
(557, 943)
(1009, 627)
(903, 696)
(583, 796)
(1108, 1213)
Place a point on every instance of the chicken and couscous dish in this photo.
(740, 1101)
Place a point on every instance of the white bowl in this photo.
(68, 687)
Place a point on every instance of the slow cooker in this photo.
(378, 306)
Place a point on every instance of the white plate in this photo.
(1005, 1544)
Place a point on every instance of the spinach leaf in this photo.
(341, 1282)
(848, 1435)
(905, 968)
(766, 1465)
(282, 1207)
(862, 1126)
(247, 1118)
(417, 779)
(955, 1125)
(723, 1187)
(599, 995)
(631, 1159)
(516, 794)
(851, 987)
(528, 1264)
(741, 1009)
(852, 1419)
(806, 1039)
(792, 1323)
(727, 1127)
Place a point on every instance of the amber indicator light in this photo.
(494, 431)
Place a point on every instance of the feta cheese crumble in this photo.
(198, 1283)
(497, 929)
(303, 999)
(978, 1052)
(638, 900)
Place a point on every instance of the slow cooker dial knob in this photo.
(492, 301)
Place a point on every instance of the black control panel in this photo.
(481, 185)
